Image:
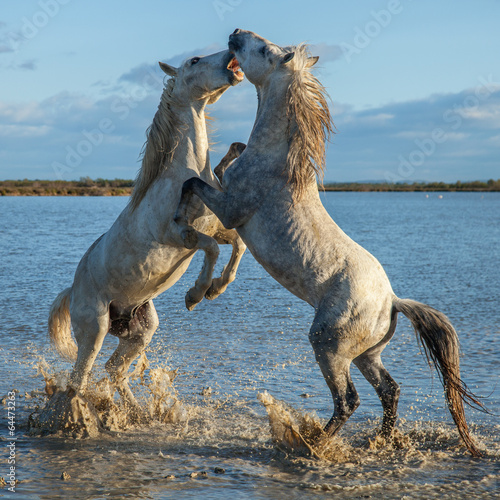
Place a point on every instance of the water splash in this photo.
(301, 433)
(68, 413)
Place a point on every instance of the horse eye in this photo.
(263, 50)
(194, 60)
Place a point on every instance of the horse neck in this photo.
(271, 127)
(193, 140)
(177, 147)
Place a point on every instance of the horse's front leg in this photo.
(214, 199)
(194, 239)
(204, 282)
(234, 152)
(191, 238)
(228, 275)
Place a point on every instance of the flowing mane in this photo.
(310, 123)
(162, 139)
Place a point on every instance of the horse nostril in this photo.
(236, 31)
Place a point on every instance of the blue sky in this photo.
(414, 85)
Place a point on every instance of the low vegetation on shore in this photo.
(490, 185)
(123, 187)
(84, 187)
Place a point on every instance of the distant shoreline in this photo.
(83, 187)
(123, 187)
(471, 186)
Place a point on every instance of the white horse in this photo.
(141, 255)
(270, 196)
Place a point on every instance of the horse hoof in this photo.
(191, 302)
(213, 292)
(239, 147)
(189, 237)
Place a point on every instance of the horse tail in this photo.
(60, 326)
(440, 343)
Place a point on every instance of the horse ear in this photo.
(311, 61)
(169, 70)
(287, 57)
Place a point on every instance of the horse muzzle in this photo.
(235, 42)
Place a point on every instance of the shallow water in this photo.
(444, 252)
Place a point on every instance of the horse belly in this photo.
(158, 272)
(132, 274)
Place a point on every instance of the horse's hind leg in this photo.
(330, 352)
(135, 335)
(370, 365)
(89, 328)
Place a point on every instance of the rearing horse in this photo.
(141, 255)
(270, 196)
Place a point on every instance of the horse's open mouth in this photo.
(234, 66)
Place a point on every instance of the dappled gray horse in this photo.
(270, 196)
(141, 255)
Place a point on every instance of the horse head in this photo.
(294, 98)
(204, 77)
(259, 58)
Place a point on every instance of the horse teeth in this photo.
(234, 65)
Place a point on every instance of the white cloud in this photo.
(376, 119)
(326, 52)
(24, 130)
(484, 113)
(457, 136)
(411, 134)
(495, 140)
